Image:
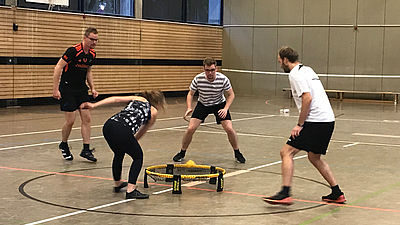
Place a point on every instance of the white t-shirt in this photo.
(303, 79)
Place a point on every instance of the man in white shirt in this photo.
(313, 130)
(211, 86)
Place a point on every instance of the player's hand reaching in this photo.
(87, 105)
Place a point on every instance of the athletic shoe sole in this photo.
(339, 200)
(239, 161)
(285, 201)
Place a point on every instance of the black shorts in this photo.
(314, 137)
(201, 112)
(70, 102)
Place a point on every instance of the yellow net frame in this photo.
(216, 175)
(189, 164)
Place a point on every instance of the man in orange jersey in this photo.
(75, 69)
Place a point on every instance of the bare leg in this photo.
(130, 187)
(322, 167)
(187, 137)
(232, 136)
(85, 125)
(287, 154)
(67, 127)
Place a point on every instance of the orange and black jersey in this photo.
(73, 77)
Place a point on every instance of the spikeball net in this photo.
(189, 171)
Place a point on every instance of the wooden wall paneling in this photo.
(6, 50)
(49, 34)
(46, 34)
(6, 32)
(33, 81)
(119, 38)
(6, 82)
(116, 79)
(167, 78)
(180, 41)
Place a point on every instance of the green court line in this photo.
(360, 200)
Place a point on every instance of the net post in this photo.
(212, 180)
(169, 170)
(177, 187)
(145, 184)
(220, 185)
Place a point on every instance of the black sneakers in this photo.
(239, 157)
(66, 153)
(279, 199)
(88, 154)
(334, 198)
(178, 157)
(122, 185)
(136, 194)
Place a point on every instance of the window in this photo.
(204, 11)
(110, 7)
(163, 10)
(73, 6)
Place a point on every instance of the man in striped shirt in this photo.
(211, 86)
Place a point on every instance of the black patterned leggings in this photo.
(121, 141)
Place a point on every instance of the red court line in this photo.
(350, 206)
(307, 201)
(205, 189)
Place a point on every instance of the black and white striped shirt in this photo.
(134, 115)
(210, 93)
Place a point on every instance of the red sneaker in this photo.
(278, 199)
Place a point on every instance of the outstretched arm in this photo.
(109, 100)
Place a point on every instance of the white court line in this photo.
(372, 121)
(369, 143)
(231, 174)
(184, 126)
(352, 144)
(163, 191)
(281, 137)
(96, 137)
(238, 133)
(173, 118)
(376, 135)
(79, 212)
(191, 184)
(74, 128)
(41, 144)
